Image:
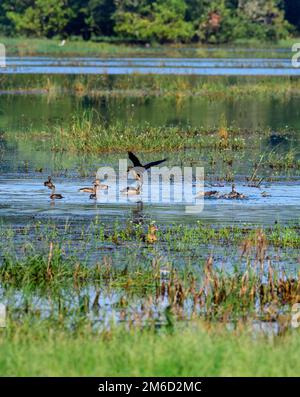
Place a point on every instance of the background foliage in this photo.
(207, 21)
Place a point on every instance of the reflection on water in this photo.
(40, 111)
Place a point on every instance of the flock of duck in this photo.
(137, 171)
(227, 196)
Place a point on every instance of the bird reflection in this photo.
(138, 216)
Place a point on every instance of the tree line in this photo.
(163, 21)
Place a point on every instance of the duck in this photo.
(234, 194)
(151, 236)
(138, 168)
(131, 190)
(100, 185)
(210, 193)
(54, 195)
(87, 189)
(97, 185)
(49, 183)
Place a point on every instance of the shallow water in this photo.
(21, 111)
(24, 165)
(28, 199)
(177, 66)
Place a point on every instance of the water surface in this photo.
(176, 66)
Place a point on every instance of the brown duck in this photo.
(97, 185)
(151, 236)
(234, 194)
(54, 195)
(210, 193)
(131, 190)
(49, 183)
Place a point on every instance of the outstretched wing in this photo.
(134, 159)
(149, 165)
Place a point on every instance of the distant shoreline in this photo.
(37, 47)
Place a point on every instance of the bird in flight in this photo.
(138, 168)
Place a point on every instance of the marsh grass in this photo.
(205, 286)
(283, 161)
(209, 292)
(24, 46)
(146, 86)
(83, 135)
(125, 319)
(224, 150)
(89, 133)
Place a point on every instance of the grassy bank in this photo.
(23, 46)
(187, 351)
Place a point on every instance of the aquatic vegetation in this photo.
(147, 86)
(206, 291)
(286, 161)
(223, 292)
(56, 291)
(54, 296)
(86, 135)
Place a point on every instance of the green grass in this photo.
(82, 135)
(88, 133)
(55, 302)
(219, 149)
(193, 350)
(33, 46)
(145, 86)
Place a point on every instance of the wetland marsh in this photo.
(90, 282)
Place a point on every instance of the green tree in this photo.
(91, 17)
(162, 20)
(102, 16)
(17, 6)
(41, 18)
(216, 23)
(263, 19)
(292, 12)
(195, 9)
(210, 21)
(80, 22)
